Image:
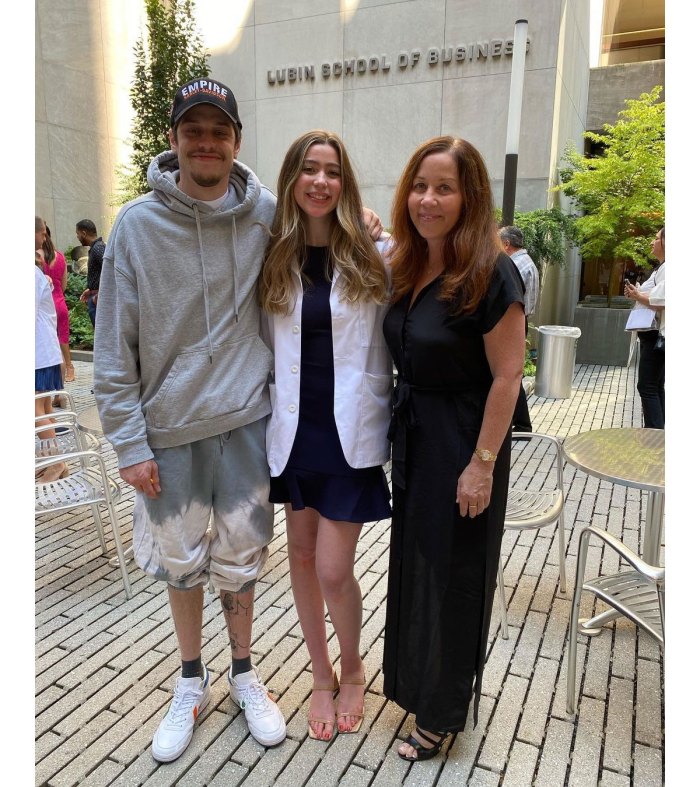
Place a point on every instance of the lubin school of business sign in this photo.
(496, 47)
(386, 76)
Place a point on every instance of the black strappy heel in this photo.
(425, 752)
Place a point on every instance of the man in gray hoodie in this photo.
(181, 385)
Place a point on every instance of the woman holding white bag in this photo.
(652, 361)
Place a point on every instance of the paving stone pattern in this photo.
(105, 666)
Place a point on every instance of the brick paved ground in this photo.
(105, 667)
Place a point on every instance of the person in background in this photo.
(651, 382)
(513, 245)
(657, 300)
(325, 291)
(56, 268)
(456, 333)
(86, 233)
(47, 367)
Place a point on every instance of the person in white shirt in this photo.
(651, 382)
(324, 288)
(513, 245)
(47, 366)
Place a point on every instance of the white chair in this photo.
(65, 441)
(637, 593)
(530, 509)
(86, 485)
(62, 393)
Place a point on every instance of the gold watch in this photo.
(485, 455)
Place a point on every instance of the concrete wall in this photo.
(83, 116)
(384, 115)
(610, 86)
(560, 285)
(83, 67)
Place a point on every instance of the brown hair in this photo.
(48, 247)
(352, 251)
(472, 245)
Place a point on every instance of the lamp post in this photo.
(515, 105)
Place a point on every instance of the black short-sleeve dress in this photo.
(317, 474)
(442, 567)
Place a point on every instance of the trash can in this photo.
(555, 361)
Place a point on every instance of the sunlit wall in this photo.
(385, 75)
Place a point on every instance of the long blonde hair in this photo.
(472, 245)
(352, 251)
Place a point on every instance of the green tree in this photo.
(547, 234)
(171, 54)
(621, 192)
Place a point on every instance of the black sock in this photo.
(193, 669)
(242, 665)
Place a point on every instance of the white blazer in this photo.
(363, 380)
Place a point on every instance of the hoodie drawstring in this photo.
(205, 286)
(234, 241)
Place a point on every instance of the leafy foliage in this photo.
(622, 192)
(171, 55)
(547, 234)
(529, 368)
(81, 331)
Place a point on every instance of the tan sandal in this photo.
(332, 689)
(361, 715)
(70, 374)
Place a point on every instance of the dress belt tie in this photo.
(402, 414)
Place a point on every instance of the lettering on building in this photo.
(405, 60)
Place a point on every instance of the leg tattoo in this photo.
(238, 610)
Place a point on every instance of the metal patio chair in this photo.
(638, 593)
(531, 509)
(66, 441)
(87, 484)
(63, 393)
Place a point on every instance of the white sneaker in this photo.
(265, 719)
(175, 731)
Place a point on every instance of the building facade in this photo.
(384, 75)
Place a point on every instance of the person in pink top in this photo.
(55, 267)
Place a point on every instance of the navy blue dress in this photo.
(317, 474)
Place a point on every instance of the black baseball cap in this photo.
(204, 91)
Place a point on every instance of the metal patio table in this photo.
(631, 457)
(89, 421)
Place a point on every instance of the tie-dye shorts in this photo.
(212, 519)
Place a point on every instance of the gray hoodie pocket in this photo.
(199, 389)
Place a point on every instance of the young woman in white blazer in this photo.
(324, 289)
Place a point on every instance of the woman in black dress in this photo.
(456, 332)
(325, 290)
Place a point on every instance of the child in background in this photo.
(47, 365)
